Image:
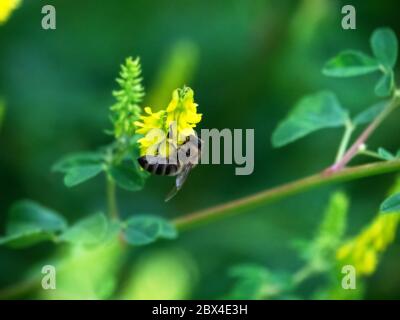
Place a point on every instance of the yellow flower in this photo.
(362, 251)
(183, 110)
(151, 121)
(6, 7)
(165, 130)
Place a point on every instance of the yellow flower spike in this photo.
(369, 262)
(176, 121)
(363, 251)
(6, 7)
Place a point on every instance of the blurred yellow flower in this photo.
(6, 7)
(363, 251)
(150, 121)
(165, 130)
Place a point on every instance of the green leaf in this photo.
(80, 167)
(370, 113)
(142, 230)
(91, 230)
(385, 85)
(311, 113)
(256, 282)
(77, 175)
(386, 155)
(384, 46)
(128, 176)
(29, 223)
(391, 204)
(350, 63)
(74, 160)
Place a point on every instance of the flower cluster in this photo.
(363, 251)
(165, 130)
(6, 7)
(126, 109)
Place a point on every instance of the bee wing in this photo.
(180, 180)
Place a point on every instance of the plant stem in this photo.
(371, 154)
(284, 191)
(349, 128)
(349, 155)
(111, 199)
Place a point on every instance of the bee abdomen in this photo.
(156, 166)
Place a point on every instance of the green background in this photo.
(248, 63)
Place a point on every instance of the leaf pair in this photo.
(351, 63)
(81, 167)
(30, 223)
(145, 229)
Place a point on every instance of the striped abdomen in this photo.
(158, 166)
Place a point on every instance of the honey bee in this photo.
(179, 163)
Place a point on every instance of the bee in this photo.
(179, 163)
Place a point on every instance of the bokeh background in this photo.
(248, 62)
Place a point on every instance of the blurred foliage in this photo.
(6, 8)
(161, 274)
(249, 62)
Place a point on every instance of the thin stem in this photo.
(284, 191)
(349, 155)
(371, 154)
(111, 199)
(349, 128)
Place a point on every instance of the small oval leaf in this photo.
(78, 159)
(79, 174)
(384, 46)
(311, 113)
(350, 63)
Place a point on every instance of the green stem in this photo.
(284, 191)
(355, 148)
(349, 128)
(371, 154)
(111, 199)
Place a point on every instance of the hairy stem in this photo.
(353, 151)
(111, 199)
(284, 191)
